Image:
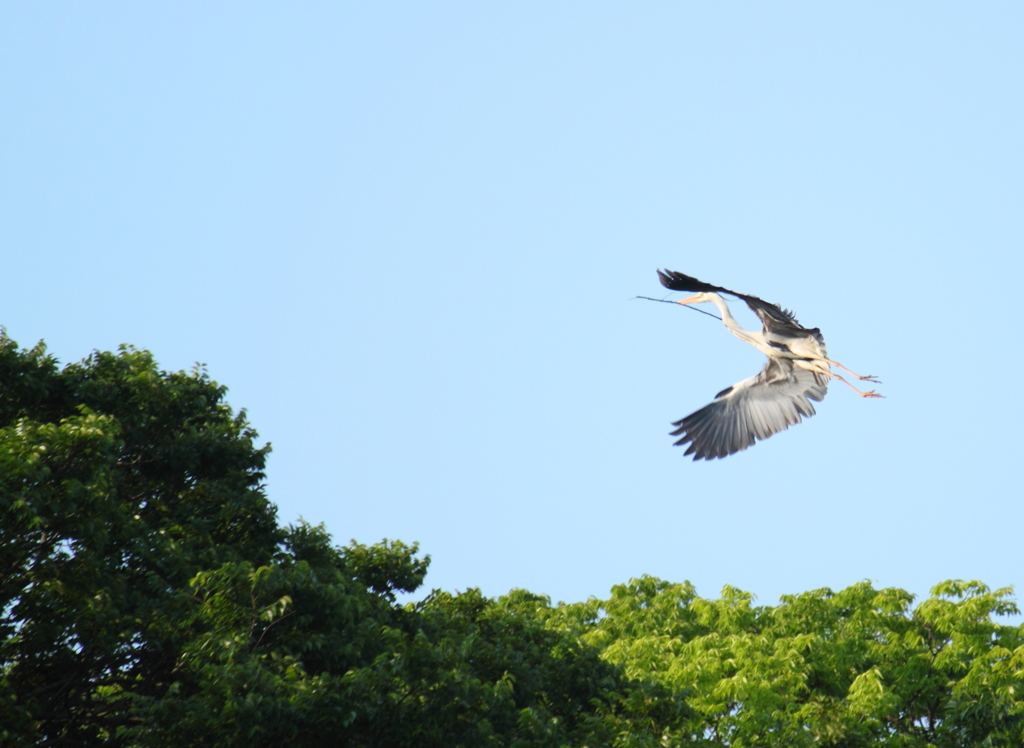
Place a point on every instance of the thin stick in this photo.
(687, 306)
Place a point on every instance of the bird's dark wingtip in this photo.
(681, 282)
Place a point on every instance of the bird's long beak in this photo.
(690, 300)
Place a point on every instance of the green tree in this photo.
(118, 484)
(148, 596)
(859, 667)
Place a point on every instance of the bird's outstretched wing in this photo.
(755, 408)
(771, 315)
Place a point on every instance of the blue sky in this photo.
(407, 238)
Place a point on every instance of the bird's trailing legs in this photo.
(871, 393)
(869, 378)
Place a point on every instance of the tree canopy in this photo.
(149, 597)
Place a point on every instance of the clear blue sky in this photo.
(406, 236)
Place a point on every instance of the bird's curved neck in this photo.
(729, 321)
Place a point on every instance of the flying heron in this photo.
(797, 371)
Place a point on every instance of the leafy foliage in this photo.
(858, 667)
(118, 484)
(148, 597)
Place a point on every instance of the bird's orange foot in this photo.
(869, 378)
(872, 393)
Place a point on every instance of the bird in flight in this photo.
(797, 371)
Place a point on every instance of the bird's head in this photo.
(699, 298)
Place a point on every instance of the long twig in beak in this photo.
(687, 306)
